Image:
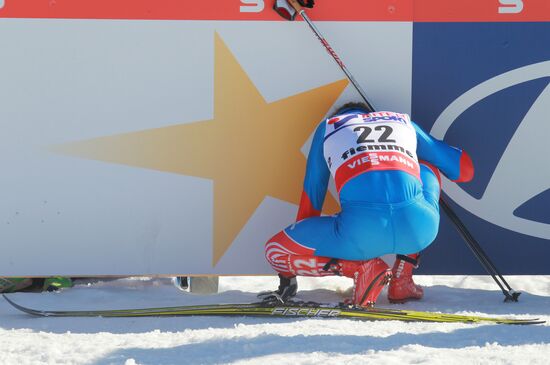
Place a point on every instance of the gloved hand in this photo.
(284, 9)
(307, 3)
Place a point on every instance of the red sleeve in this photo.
(466, 168)
(306, 209)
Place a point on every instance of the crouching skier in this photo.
(389, 204)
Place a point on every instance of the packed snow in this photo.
(238, 340)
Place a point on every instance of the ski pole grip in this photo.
(296, 5)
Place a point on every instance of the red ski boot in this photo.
(369, 278)
(402, 287)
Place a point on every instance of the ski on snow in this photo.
(278, 310)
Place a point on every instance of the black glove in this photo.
(307, 3)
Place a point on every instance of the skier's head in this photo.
(353, 107)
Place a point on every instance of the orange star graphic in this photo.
(250, 149)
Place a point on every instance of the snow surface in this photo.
(236, 340)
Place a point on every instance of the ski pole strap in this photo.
(330, 264)
(408, 259)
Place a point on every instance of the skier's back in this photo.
(389, 200)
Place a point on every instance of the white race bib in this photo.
(357, 143)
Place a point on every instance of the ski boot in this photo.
(369, 278)
(287, 289)
(181, 282)
(402, 287)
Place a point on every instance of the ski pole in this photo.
(510, 295)
(300, 10)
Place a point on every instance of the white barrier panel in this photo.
(141, 147)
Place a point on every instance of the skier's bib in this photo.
(358, 143)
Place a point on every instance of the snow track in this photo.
(212, 340)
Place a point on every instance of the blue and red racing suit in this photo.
(389, 200)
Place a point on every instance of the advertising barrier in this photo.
(169, 137)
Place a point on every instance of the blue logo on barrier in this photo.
(480, 86)
(523, 171)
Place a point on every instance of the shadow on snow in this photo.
(234, 349)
